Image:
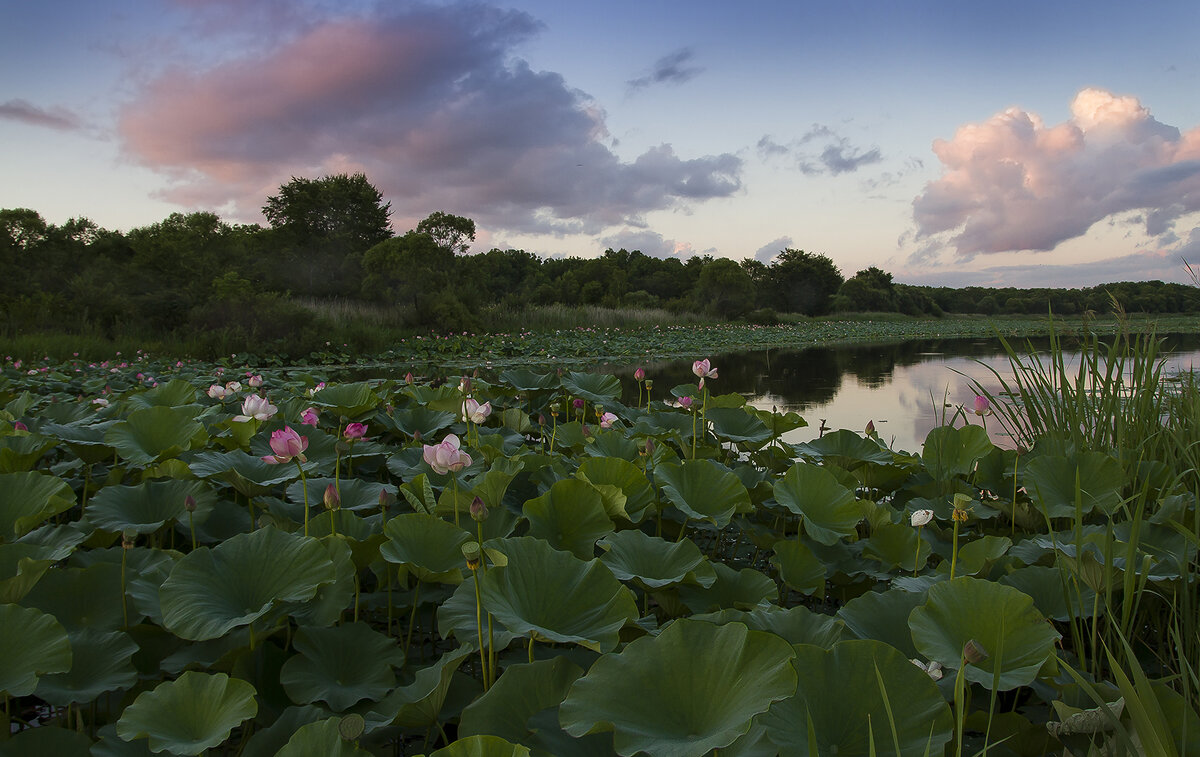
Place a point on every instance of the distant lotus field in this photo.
(244, 559)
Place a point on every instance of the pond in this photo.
(906, 389)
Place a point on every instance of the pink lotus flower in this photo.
(256, 408)
(309, 417)
(704, 369)
(446, 456)
(355, 431)
(287, 444)
(685, 402)
(234, 386)
(316, 388)
(475, 412)
(217, 392)
(18, 426)
(982, 406)
(255, 381)
(100, 402)
(606, 420)
(639, 374)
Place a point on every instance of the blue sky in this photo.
(1024, 144)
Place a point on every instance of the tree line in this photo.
(330, 238)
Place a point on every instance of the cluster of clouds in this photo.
(26, 112)
(1013, 183)
(821, 150)
(433, 105)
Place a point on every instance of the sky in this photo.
(950, 143)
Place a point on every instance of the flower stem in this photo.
(304, 486)
(954, 552)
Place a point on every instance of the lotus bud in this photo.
(386, 499)
(973, 652)
(189, 503)
(473, 554)
(333, 500)
(577, 404)
(479, 511)
(639, 374)
(408, 378)
(870, 429)
(128, 537)
(355, 431)
(541, 419)
(417, 435)
(18, 426)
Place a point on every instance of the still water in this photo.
(905, 389)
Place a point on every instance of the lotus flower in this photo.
(639, 374)
(309, 417)
(100, 402)
(606, 420)
(234, 387)
(217, 392)
(287, 444)
(704, 369)
(921, 518)
(475, 412)
(685, 402)
(256, 408)
(255, 381)
(446, 456)
(355, 431)
(332, 499)
(982, 406)
(315, 389)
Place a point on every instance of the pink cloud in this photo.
(431, 104)
(1014, 183)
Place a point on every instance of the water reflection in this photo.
(906, 389)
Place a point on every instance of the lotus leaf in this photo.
(742, 589)
(83, 597)
(21, 453)
(799, 567)
(428, 546)
(145, 507)
(1054, 481)
(190, 714)
(570, 516)
(419, 704)
(100, 661)
(895, 545)
(167, 394)
(845, 449)
(525, 380)
(703, 490)
(555, 596)
(156, 433)
(628, 478)
(456, 617)
(482, 746)
(348, 400)
(977, 555)
(883, 616)
(340, 666)
(796, 625)
(738, 425)
(1054, 593)
(950, 451)
(21, 565)
(521, 692)
(47, 741)
(657, 698)
(28, 498)
(331, 599)
(57, 541)
(859, 699)
(355, 493)
(322, 737)
(651, 563)
(828, 509)
(266, 742)
(87, 442)
(1016, 637)
(248, 474)
(34, 644)
(599, 388)
(212, 590)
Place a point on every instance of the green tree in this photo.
(870, 289)
(802, 282)
(725, 289)
(455, 233)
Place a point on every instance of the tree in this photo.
(455, 233)
(801, 282)
(322, 227)
(870, 290)
(725, 289)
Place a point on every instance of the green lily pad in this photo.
(1054, 593)
(521, 692)
(652, 564)
(743, 589)
(703, 490)
(845, 449)
(167, 394)
(570, 516)
(419, 704)
(100, 661)
(1053, 482)
(22, 453)
(348, 400)
(1016, 637)
(554, 596)
(737, 425)
(153, 434)
(213, 590)
(83, 597)
(859, 699)
(356, 494)
(422, 420)
(456, 617)
(950, 452)
(34, 644)
(195, 712)
(657, 699)
(29, 498)
(340, 666)
(593, 387)
(616, 472)
(799, 567)
(796, 625)
(828, 508)
(248, 474)
(883, 616)
(896, 545)
(428, 546)
(323, 737)
(21, 565)
(147, 506)
(482, 746)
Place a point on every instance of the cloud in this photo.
(669, 69)
(430, 103)
(1014, 183)
(26, 112)
(1144, 265)
(648, 243)
(768, 251)
(837, 156)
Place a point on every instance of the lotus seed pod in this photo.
(472, 554)
(974, 653)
